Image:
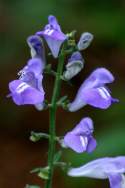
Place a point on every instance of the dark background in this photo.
(19, 19)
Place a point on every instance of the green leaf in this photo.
(62, 100)
(36, 170)
(57, 156)
(37, 136)
(71, 34)
(42, 172)
(63, 165)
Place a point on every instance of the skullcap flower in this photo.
(53, 35)
(28, 88)
(112, 168)
(80, 139)
(94, 92)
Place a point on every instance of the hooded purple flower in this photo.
(94, 92)
(28, 89)
(80, 139)
(37, 48)
(85, 40)
(111, 168)
(74, 66)
(53, 35)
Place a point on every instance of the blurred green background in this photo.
(19, 19)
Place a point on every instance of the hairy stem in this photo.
(53, 108)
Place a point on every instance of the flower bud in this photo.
(74, 66)
(85, 40)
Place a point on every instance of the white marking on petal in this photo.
(48, 31)
(84, 141)
(33, 52)
(104, 93)
(22, 87)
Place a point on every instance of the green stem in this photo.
(53, 108)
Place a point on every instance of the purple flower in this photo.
(74, 66)
(53, 35)
(85, 40)
(94, 92)
(37, 48)
(28, 89)
(111, 168)
(80, 139)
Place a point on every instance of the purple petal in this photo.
(54, 40)
(76, 56)
(35, 65)
(54, 23)
(85, 127)
(99, 98)
(14, 84)
(39, 83)
(22, 93)
(34, 41)
(32, 96)
(114, 100)
(100, 168)
(98, 78)
(76, 143)
(53, 35)
(37, 48)
(32, 73)
(28, 78)
(92, 169)
(54, 45)
(115, 180)
(91, 145)
(77, 104)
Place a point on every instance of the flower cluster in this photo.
(28, 90)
